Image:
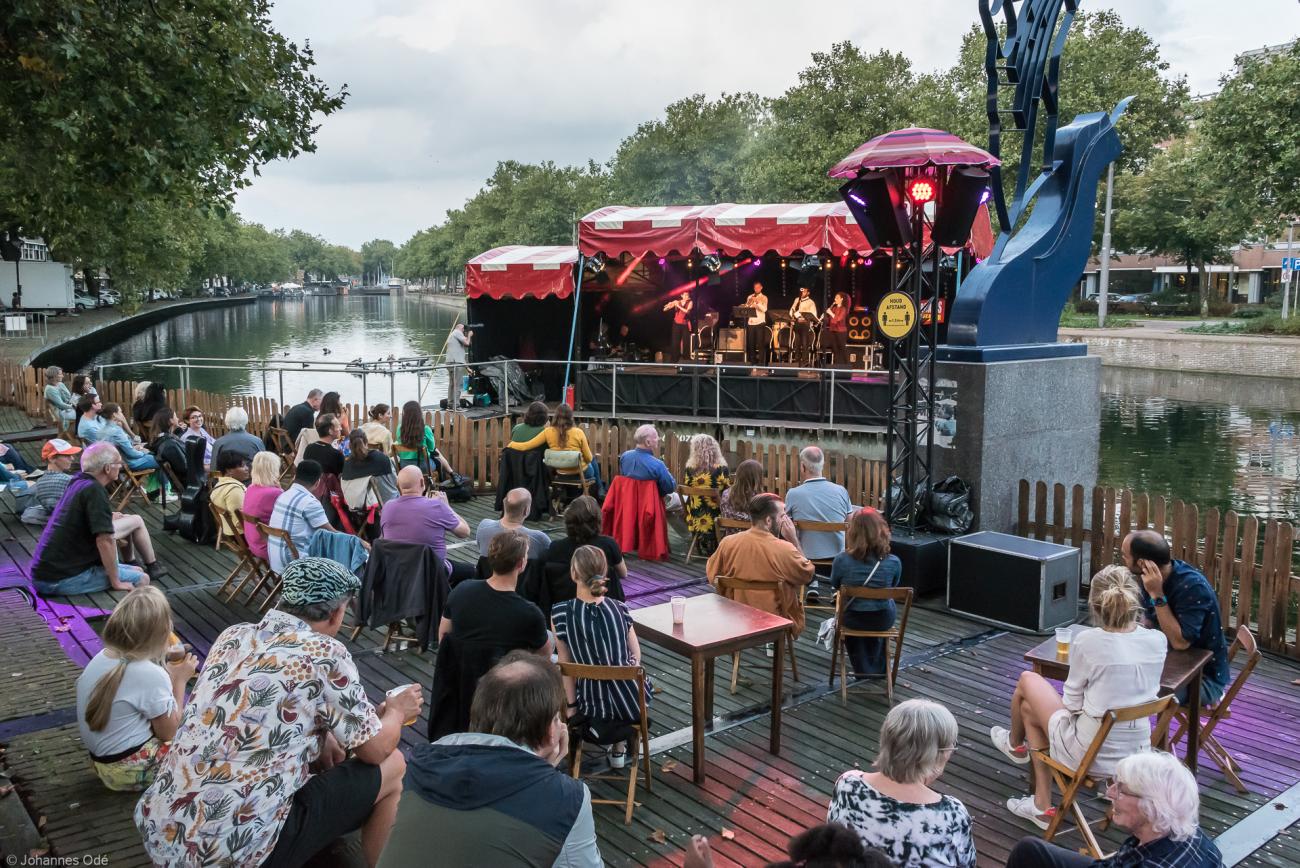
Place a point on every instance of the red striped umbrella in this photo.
(912, 147)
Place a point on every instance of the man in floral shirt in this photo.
(256, 773)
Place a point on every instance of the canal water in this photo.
(1212, 440)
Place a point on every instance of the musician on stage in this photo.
(803, 313)
(835, 330)
(755, 325)
(681, 334)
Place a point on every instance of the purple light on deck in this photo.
(856, 198)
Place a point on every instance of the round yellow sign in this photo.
(896, 316)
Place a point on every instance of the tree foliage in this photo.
(377, 256)
(126, 122)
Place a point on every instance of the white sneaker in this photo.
(618, 759)
(1002, 741)
(1024, 807)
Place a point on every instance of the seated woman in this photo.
(377, 433)
(747, 484)
(412, 433)
(894, 808)
(57, 394)
(867, 563)
(194, 430)
(128, 702)
(563, 434)
(331, 403)
(166, 446)
(534, 422)
(115, 432)
(83, 385)
(1116, 664)
(705, 468)
(153, 400)
(595, 631)
(582, 528)
(259, 499)
(363, 465)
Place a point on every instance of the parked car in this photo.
(81, 301)
(110, 297)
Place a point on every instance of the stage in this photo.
(839, 398)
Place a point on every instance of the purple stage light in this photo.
(662, 260)
(868, 262)
(856, 198)
(984, 196)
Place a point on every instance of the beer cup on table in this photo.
(1063, 637)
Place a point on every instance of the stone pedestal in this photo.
(1024, 419)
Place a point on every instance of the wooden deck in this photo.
(759, 798)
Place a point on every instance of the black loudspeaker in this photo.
(859, 323)
(1011, 581)
(924, 557)
(731, 341)
(962, 195)
(875, 200)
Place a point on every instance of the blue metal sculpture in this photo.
(1016, 295)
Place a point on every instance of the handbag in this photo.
(562, 459)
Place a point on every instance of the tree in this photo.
(1251, 126)
(377, 256)
(1176, 208)
(694, 155)
(117, 113)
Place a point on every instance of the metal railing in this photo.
(27, 325)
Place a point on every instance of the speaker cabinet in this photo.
(1013, 582)
(924, 557)
(731, 340)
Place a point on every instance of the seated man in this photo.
(46, 492)
(298, 512)
(641, 462)
(482, 621)
(77, 552)
(515, 507)
(1154, 798)
(1179, 602)
(761, 553)
(816, 498)
(237, 437)
(90, 425)
(324, 451)
(228, 491)
(492, 796)
(301, 416)
(413, 518)
(265, 733)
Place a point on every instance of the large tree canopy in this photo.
(122, 115)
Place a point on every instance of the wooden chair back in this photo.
(731, 525)
(1243, 641)
(642, 749)
(730, 586)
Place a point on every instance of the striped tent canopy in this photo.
(521, 272)
(909, 148)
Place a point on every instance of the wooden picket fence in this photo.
(1251, 572)
(473, 446)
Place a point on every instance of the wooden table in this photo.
(1183, 669)
(715, 626)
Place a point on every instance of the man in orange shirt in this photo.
(768, 550)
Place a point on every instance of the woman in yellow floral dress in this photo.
(705, 468)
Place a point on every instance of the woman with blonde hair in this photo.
(594, 630)
(128, 701)
(705, 468)
(259, 498)
(893, 808)
(1116, 663)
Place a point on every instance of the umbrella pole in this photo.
(573, 328)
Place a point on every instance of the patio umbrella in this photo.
(912, 147)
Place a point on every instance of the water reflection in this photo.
(367, 327)
(1212, 440)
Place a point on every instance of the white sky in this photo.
(441, 91)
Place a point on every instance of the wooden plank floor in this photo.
(761, 798)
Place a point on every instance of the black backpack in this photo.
(459, 489)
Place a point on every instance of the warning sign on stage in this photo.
(896, 316)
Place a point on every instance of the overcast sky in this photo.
(441, 91)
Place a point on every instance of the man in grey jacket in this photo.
(818, 499)
(492, 796)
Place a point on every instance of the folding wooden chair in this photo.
(273, 591)
(639, 744)
(1071, 781)
(282, 446)
(235, 544)
(729, 586)
(261, 572)
(423, 462)
(688, 491)
(902, 598)
(131, 484)
(61, 426)
(803, 526)
(1245, 640)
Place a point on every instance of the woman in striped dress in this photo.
(595, 630)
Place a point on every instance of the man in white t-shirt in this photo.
(755, 325)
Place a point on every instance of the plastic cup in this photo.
(1063, 637)
(397, 690)
(176, 650)
(679, 609)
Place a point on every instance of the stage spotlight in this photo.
(811, 262)
(662, 261)
(596, 263)
(712, 262)
(966, 190)
(876, 202)
(921, 190)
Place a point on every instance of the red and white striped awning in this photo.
(521, 272)
(785, 229)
